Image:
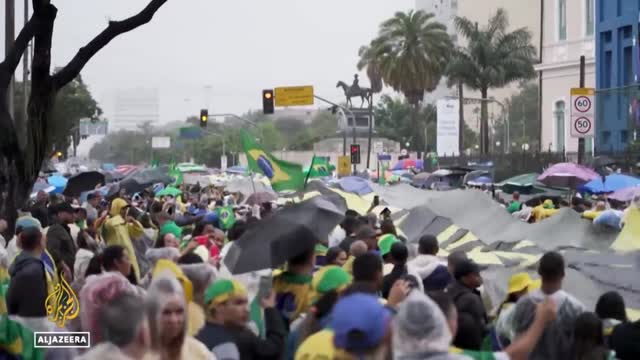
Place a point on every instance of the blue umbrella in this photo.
(356, 185)
(58, 181)
(613, 182)
(237, 170)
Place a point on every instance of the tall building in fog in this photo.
(133, 107)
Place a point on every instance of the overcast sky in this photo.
(236, 47)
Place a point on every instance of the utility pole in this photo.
(9, 37)
(25, 67)
(581, 140)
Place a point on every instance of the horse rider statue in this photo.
(355, 91)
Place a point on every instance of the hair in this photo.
(516, 195)
(611, 306)
(160, 243)
(190, 258)
(92, 196)
(351, 213)
(303, 259)
(121, 319)
(94, 267)
(455, 258)
(237, 230)
(428, 245)
(110, 255)
(323, 307)
(358, 248)
(350, 224)
(332, 254)
(30, 239)
(588, 342)
(399, 253)
(387, 227)
(160, 288)
(199, 228)
(366, 267)
(551, 267)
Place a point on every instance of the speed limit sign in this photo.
(582, 112)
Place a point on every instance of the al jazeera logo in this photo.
(62, 305)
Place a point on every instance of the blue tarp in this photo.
(57, 181)
(613, 182)
(356, 185)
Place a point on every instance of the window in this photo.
(588, 145)
(624, 136)
(627, 65)
(606, 137)
(559, 113)
(562, 19)
(590, 16)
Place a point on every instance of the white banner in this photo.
(448, 127)
(160, 142)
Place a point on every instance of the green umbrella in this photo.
(524, 183)
(169, 191)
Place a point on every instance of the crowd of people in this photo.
(151, 283)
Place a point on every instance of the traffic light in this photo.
(204, 117)
(267, 102)
(355, 154)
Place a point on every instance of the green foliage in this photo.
(409, 54)
(523, 115)
(396, 119)
(73, 102)
(493, 58)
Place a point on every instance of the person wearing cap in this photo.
(515, 205)
(519, 285)
(327, 285)
(227, 316)
(367, 234)
(397, 256)
(431, 270)
(360, 327)
(60, 243)
(120, 228)
(472, 316)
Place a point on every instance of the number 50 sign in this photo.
(582, 112)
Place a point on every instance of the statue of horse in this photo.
(351, 92)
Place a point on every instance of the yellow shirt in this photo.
(317, 346)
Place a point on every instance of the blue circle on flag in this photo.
(265, 166)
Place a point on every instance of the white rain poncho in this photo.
(420, 330)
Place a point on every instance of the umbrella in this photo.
(237, 170)
(258, 198)
(476, 174)
(524, 184)
(83, 182)
(613, 182)
(57, 181)
(602, 161)
(169, 191)
(41, 186)
(285, 234)
(143, 179)
(356, 185)
(407, 164)
(482, 180)
(626, 194)
(126, 170)
(421, 179)
(567, 175)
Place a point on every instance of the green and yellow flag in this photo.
(226, 217)
(320, 167)
(282, 174)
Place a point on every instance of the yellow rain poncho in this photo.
(117, 231)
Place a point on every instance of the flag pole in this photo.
(313, 160)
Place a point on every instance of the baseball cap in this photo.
(385, 243)
(27, 222)
(465, 268)
(327, 279)
(359, 323)
(223, 289)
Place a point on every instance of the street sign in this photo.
(89, 127)
(160, 142)
(344, 166)
(190, 133)
(384, 157)
(378, 147)
(582, 112)
(293, 96)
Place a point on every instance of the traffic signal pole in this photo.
(346, 122)
(581, 140)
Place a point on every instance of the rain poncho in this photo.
(117, 231)
(420, 330)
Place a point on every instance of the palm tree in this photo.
(409, 54)
(493, 58)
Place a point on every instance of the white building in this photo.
(133, 107)
(567, 34)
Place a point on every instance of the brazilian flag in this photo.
(17, 342)
(320, 167)
(226, 217)
(282, 174)
(176, 174)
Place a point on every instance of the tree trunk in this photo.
(484, 123)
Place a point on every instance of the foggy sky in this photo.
(236, 47)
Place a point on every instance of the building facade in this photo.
(567, 33)
(133, 107)
(617, 57)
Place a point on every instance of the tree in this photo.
(394, 121)
(24, 145)
(410, 54)
(74, 102)
(493, 58)
(523, 117)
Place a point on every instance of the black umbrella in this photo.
(602, 161)
(285, 234)
(259, 198)
(82, 182)
(143, 179)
